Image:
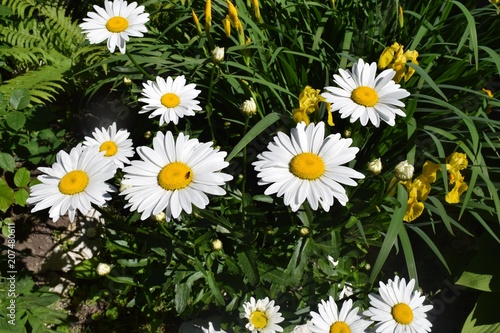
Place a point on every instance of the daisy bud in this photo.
(375, 166)
(404, 171)
(103, 269)
(124, 187)
(160, 217)
(304, 231)
(127, 81)
(347, 133)
(217, 245)
(249, 108)
(368, 266)
(147, 134)
(217, 54)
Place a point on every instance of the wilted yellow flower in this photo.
(394, 57)
(418, 191)
(454, 195)
(488, 92)
(233, 14)
(414, 209)
(208, 15)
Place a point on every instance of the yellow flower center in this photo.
(402, 313)
(170, 100)
(258, 319)
(340, 327)
(117, 24)
(73, 182)
(307, 166)
(109, 147)
(365, 96)
(175, 176)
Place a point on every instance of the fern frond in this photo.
(24, 34)
(43, 83)
(22, 8)
(65, 33)
(25, 57)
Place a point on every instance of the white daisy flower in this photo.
(398, 308)
(306, 165)
(74, 182)
(331, 320)
(170, 99)
(262, 316)
(116, 23)
(115, 144)
(365, 97)
(173, 176)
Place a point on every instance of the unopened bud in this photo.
(147, 134)
(304, 231)
(347, 133)
(103, 269)
(404, 171)
(375, 166)
(217, 54)
(249, 108)
(217, 245)
(124, 187)
(91, 232)
(160, 217)
(127, 81)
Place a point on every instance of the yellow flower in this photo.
(454, 195)
(429, 171)
(233, 15)
(454, 163)
(387, 55)
(256, 10)
(394, 57)
(196, 21)
(309, 100)
(413, 210)
(330, 116)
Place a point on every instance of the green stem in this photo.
(139, 67)
(243, 184)
(209, 103)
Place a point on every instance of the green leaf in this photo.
(15, 120)
(22, 177)
(20, 99)
(123, 279)
(4, 10)
(482, 273)
(484, 317)
(249, 266)
(7, 162)
(392, 233)
(182, 292)
(20, 197)
(6, 197)
(263, 124)
(215, 288)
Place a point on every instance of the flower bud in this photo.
(124, 187)
(249, 108)
(103, 269)
(404, 171)
(375, 166)
(217, 245)
(91, 232)
(147, 134)
(304, 231)
(217, 54)
(127, 81)
(160, 217)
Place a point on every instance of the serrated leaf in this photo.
(481, 273)
(6, 197)
(249, 266)
(484, 317)
(15, 120)
(7, 162)
(19, 99)
(22, 177)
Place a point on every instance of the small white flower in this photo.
(399, 308)
(363, 96)
(249, 108)
(74, 182)
(404, 171)
(262, 316)
(308, 166)
(174, 175)
(346, 292)
(103, 269)
(116, 23)
(375, 166)
(170, 99)
(115, 144)
(217, 54)
(334, 262)
(330, 319)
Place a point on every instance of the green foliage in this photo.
(33, 307)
